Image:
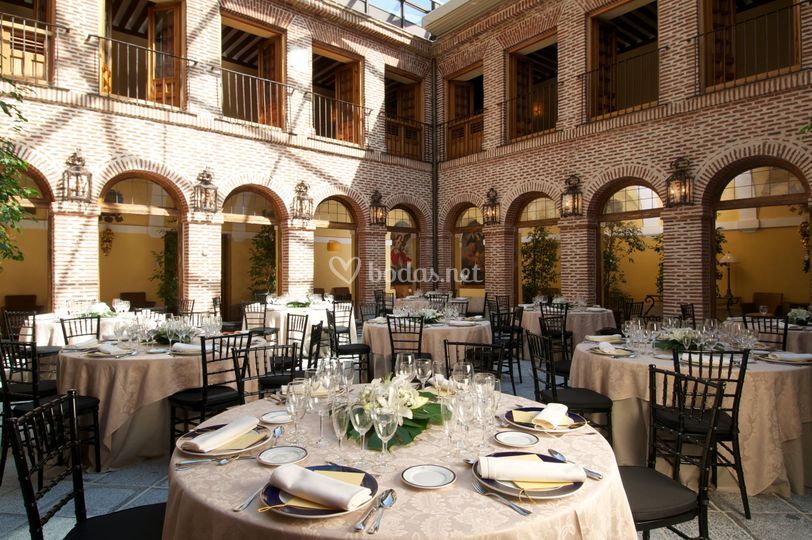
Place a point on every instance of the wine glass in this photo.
(465, 412)
(361, 422)
(340, 415)
(448, 419)
(462, 374)
(347, 374)
(483, 384)
(296, 404)
(425, 367)
(405, 366)
(319, 400)
(385, 421)
(762, 310)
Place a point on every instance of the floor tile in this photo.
(150, 496)
(143, 474)
(730, 501)
(102, 500)
(775, 526)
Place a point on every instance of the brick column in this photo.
(424, 243)
(578, 252)
(372, 254)
(572, 49)
(374, 94)
(75, 252)
(688, 262)
(203, 28)
(300, 75)
(202, 245)
(499, 259)
(493, 69)
(297, 257)
(677, 28)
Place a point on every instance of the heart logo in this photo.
(340, 267)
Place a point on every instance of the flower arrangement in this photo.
(297, 304)
(99, 308)
(681, 338)
(430, 316)
(559, 300)
(799, 316)
(415, 409)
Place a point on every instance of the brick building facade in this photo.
(720, 132)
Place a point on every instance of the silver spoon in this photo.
(361, 525)
(589, 472)
(389, 500)
(277, 432)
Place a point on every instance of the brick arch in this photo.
(278, 197)
(448, 213)
(518, 196)
(173, 182)
(417, 207)
(456, 62)
(46, 171)
(597, 190)
(351, 196)
(260, 11)
(527, 29)
(714, 174)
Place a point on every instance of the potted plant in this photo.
(539, 257)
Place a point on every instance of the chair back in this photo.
(342, 311)
(555, 310)
(78, 327)
(632, 310)
(261, 297)
(405, 334)
(688, 315)
(728, 367)
(186, 305)
(369, 310)
(501, 325)
(20, 325)
(437, 301)
(265, 360)
(218, 363)
(296, 329)
(254, 315)
(769, 330)
(41, 439)
(196, 318)
(314, 348)
(341, 294)
(491, 304)
(542, 363)
(19, 368)
(485, 358)
(553, 326)
(384, 302)
(695, 401)
(461, 305)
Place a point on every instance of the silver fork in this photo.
(518, 509)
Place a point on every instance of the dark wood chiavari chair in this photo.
(255, 319)
(405, 336)
(77, 329)
(769, 330)
(486, 358)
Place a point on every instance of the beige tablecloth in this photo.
(581, 323)
(278, 318)
(201, 498)
(132, 390)
(49, 329)
(799, 338)
(377, 337)
(775, 417)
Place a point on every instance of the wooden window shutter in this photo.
(604, 55)
(521, 82)
(164, 36)
(720, 61)
(348, 95)
(269, 95)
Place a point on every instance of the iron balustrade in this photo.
(340, 120)
(757, 48)
(254, 99)
(141, 73)
(461, 137)
(407, 138)
(630, 84)
(535, 112)
(29, 49)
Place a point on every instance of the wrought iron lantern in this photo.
(680, 185)
(302, 206)
(75, 185)
(572, 198)
(204, 198)
(491, 212)
(377, 210)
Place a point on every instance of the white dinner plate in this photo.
(461, 323)
(516, 439)
(276, 417)
(282, 455)
(428, 476)
(158, 350)
(262, 431)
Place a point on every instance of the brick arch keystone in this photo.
(596, 187)
(177, 184)
(280, 195)
(419, 209)
(515, 198)
(451, 206)
(42, 164)
(712, 171)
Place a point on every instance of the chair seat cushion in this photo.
(232, 326)
(46, 388)
(139, 523)
(84, 404)
(352, 349)
(579, 399)
(653, 496)
(48, 350)
(670, 417)
(562, 367)
(192, 397)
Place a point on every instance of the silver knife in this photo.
(248, 501)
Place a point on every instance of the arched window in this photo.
(335, 212)
(334, 248)
(469, 252)
(763, 183)
(634, 199)
(402, 246)
(538, 267)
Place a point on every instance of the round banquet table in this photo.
(201, 498)
(581, 322)
(376, 335)
(132, 390)
(775, 417)
(278, 318)
(49, 329)
(799, 338)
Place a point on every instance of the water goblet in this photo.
(361, 421)
(448, 420)
(319, 401)
(385, 421)
(462, 373)
(425, 367)
(405, 366)
(296, 405)
(340, 416)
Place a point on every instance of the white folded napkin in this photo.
(84, 343)
(186, 347)
(217, 438)
(789, 356)
(318, 488)
(439, 381)
(613, 337)
(507, 469)
(607, 348)
(378, 320)
(553, 416)
(109, 337)
(112, 350)
(595, 309)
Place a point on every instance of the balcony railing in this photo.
(627, 85)
(29, 49)
(136, 72)
(757, 48)
(461, 136)
(406, 137)
(340, 120)
(530, 114)
(254, 99)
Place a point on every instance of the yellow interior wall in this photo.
(325, 275)
(239, 285)
(29, 276)
(641, 275)
(131, 262)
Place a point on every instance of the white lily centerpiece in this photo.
(397, 394)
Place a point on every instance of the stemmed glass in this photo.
(361, 421)
(448, 418)
(465, 412)
(340, 415)
(405, 366)
(425, 368)
(319, 401)
(296, 405)
(462, 374)
(386, 424)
